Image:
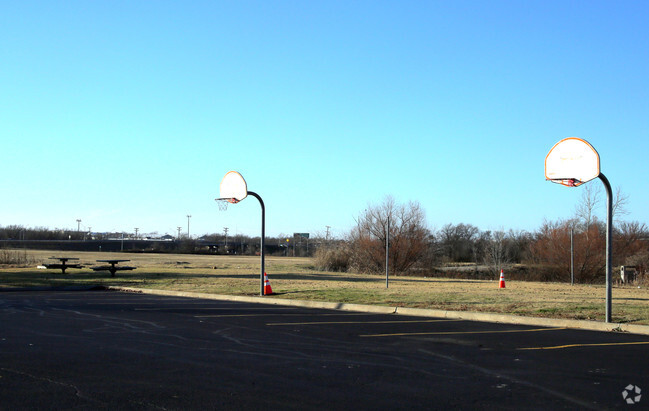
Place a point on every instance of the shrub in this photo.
(20, 258)
(334, 258)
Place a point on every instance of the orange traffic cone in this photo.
(267, 289)
(501, 284)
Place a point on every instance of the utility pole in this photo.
(188, 217)
(136, 230)
(179, 228)
(226, 236)
(327, 236)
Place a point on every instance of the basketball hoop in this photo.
(223, 203)
(233, 189)
(572, 162)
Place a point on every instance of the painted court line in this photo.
(559, 347)
(281, 315)
(212, 308)
(363, 322)
(463, 332)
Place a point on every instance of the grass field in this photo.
(295, 278)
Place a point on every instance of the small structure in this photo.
(63, 265)
(112, 266)
(627, 274)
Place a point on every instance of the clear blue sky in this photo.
(128, 113)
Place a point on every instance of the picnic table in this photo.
(63, 265)
(112, 266)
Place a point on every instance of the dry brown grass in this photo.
(295, 278)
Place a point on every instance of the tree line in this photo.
(214, 243)
(462, 249)
(466, 251)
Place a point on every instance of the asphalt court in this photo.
(111, 349)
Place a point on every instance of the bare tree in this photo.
(497, 251)
(585, 209)
(620, 202)
(591, 200)
(458, 241)
(407, 231)
(551, 250)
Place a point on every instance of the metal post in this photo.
(572, 257)
(609, 245)
(387, 253)
(263, 235)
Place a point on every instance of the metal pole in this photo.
(609, 245)
(387, 254)
(572, 257)
(263, 235)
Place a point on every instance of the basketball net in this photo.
(223, 203)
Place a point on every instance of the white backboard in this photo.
(572, 162)
(233, 186)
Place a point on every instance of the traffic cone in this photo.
(267, 289)
(501, 284)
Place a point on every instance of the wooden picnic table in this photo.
(112, 267)
(63, 265)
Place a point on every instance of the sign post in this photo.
(387, 254)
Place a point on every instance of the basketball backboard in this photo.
(572, 162)
(233, 187)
